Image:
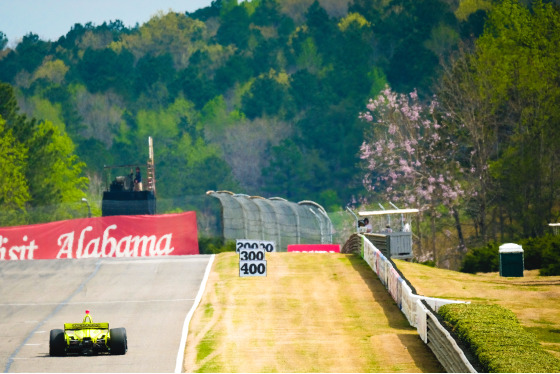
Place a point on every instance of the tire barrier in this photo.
(419, 310)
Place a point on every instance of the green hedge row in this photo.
(494, 335)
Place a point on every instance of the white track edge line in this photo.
(181, 353)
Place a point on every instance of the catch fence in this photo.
(274, 219)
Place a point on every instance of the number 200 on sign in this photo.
(248, 244)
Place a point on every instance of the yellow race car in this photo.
(87, 338)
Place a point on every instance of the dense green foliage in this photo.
(538, 253)
(493, 121)
(215, 245)
(39, 167)
(260, 97)
(493, 335)
(263, 97)
(484, 259)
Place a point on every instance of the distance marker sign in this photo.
(254, 244)
(252, 255)
(252, 268)
(252, 262)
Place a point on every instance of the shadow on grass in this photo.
(423, 357)
(420, 353)
(395, 317)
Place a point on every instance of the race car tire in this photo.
(57, 343)
(118, 342)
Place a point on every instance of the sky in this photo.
(51, 19)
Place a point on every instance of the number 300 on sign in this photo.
(251, 255)
(252, 268)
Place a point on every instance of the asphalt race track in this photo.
(150, 297)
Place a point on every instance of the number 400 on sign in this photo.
(252, 268)
(252, 261)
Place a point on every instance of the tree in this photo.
(8, 103)
(306, 53)
(354, 51)
(52, 70)
(234, 28)
(151, 69)
(266, 97)
(246, 148)
(195, 86)
(170, 33)
(99, 115)
(522, 47)
(305, 88)
(321, 26)
(181, 150)
(70, 40)
(285, 171)
(103, 69)
(476, 126)
(370, 9)
(237, 69)
(30, 51)
(14, 192)
(267, 13)
(53, 173)
(204, 14)
(409, 157)
(3, 41)
(503, 99)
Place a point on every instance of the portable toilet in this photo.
(511, 260)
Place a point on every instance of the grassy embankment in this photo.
(330, 313)
(535, 300)
(312, 313)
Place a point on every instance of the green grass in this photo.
(533, 299)
(312, 313)
(206, 347)
(208, 310)
(547, 334)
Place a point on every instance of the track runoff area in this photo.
(300, 312)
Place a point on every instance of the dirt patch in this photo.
(312, 313)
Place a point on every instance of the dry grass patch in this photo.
(534, 299)
(312, 313)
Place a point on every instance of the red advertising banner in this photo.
(112, 236)
(317, 248)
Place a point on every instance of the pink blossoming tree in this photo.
(409, 158)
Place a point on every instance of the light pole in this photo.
(84, 200)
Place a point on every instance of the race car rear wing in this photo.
(84, 326)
